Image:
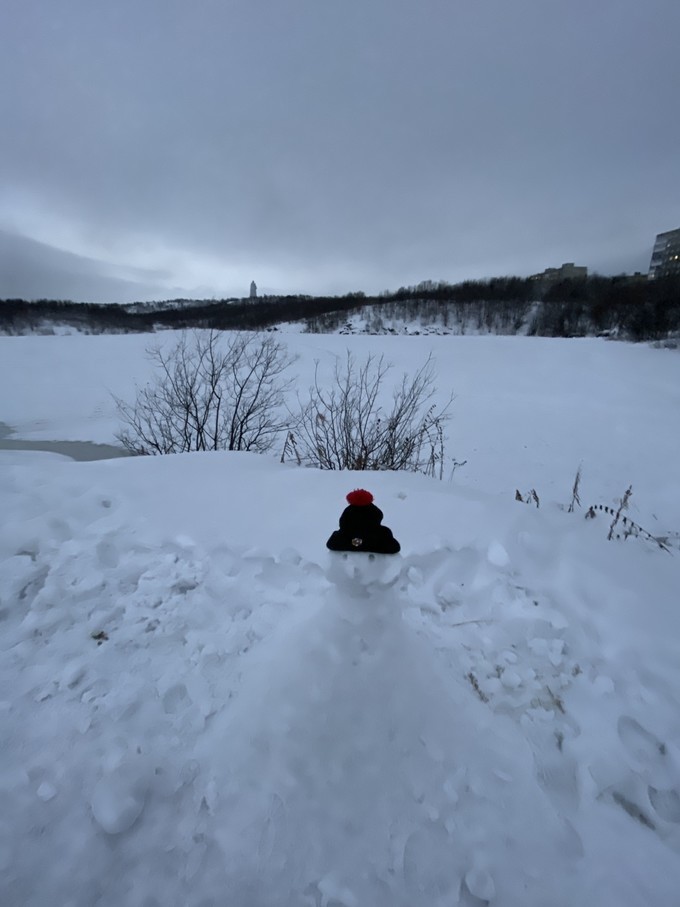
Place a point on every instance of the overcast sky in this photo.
(191, 146)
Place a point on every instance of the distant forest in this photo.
(631, 308)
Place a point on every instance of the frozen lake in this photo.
(76, 450)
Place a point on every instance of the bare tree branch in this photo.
(208, 395)
(346, 426)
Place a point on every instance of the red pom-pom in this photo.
(360, 497)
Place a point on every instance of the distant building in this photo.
(568, 271)
(253, 290)
(665, 260)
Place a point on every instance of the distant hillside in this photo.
(623, 307)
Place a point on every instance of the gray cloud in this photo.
(322, 146)
(35, 270)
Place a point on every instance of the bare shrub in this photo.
(530, 497)
(209, 394)
(623, 505)
(575, 496)
(345, 426)
(623, 527)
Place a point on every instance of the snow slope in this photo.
(202, 706)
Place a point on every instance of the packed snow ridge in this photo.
(490, 718)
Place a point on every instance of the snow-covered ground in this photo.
(200, 705)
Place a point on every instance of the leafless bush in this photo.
(623, 527)
(345, 425)
(575, 496)
(209, 394)
(530, 497)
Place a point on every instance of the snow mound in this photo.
(361, 746)
(489, 718)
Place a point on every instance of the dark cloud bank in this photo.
(163, 148)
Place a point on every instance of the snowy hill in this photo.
(431, 318)
(203, 706)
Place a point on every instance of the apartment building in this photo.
(665, 260)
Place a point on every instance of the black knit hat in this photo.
(360, 528)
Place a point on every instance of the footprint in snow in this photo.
(666, 804)
(119, 797)
(642, 746)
